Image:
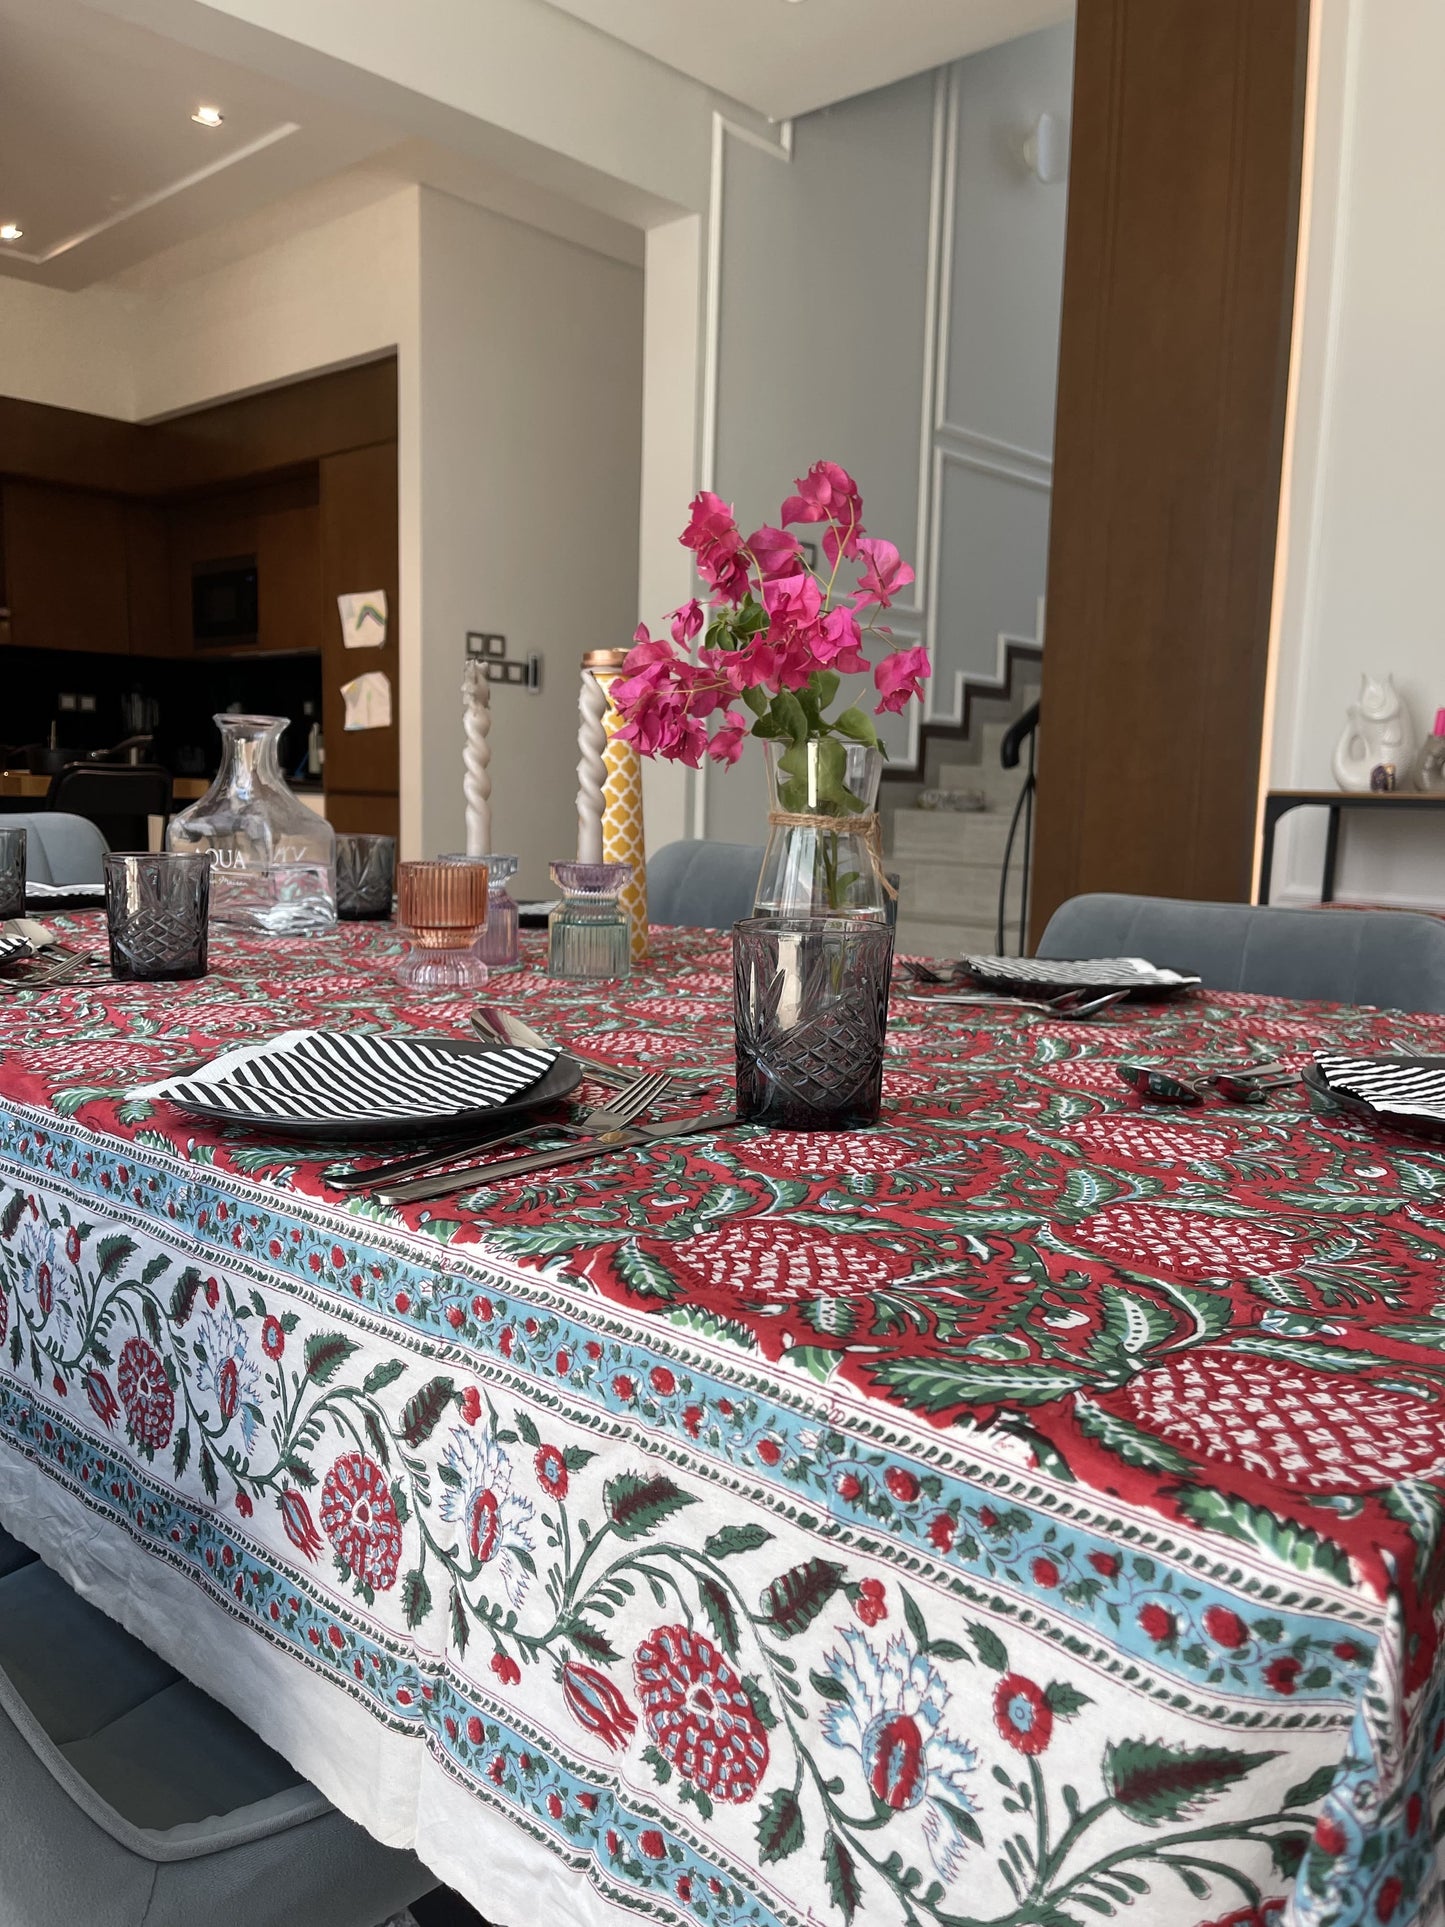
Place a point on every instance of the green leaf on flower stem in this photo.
(964, 1821)
(383, 1374)
(780, 1826)
(325, 1353)
(788, 715)
(1065, 1700)
(756, 701)
(1151, 1782)
(636, 1505)
(823, 686)
(723, 1543)
(720, 1613)
(528, 1429)
(461, 1631)
(857, 726)
(842, 1876)
(415, 1597)
(794, 1600)
(113, 1252)
(761, 1704)
(989, 1647)
(423, 1411)
(1314, 1788)
(828, 1688)
(915, 1621)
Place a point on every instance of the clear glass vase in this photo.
(274, 866)
(822, 832)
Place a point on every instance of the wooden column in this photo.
(1178, 295)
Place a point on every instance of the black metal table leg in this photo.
(1332, 851)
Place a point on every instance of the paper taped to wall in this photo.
(368, 700)
(363, 618)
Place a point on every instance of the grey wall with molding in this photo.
(889, 298)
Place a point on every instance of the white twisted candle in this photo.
(591, 769)
(476, 758)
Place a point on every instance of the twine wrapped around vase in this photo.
(867, 826)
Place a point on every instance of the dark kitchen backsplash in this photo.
(182, 694)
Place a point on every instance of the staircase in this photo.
(948, 861)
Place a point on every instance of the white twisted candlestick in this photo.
(591, 769)
(476, 758)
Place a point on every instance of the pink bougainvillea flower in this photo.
(775, 551)
(838, 643)
(828, 493)
(727, 742)
(712, 535)
(885, 572)
(900, 677)
(687, 622)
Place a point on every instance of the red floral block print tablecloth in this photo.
(1022, 1513)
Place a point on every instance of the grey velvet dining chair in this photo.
(1391, 958)
(709, 886)
(131, 1799)
(703, 884)
(59, 847)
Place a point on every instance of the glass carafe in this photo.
(274, 859)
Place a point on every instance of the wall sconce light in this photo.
(1045, 149)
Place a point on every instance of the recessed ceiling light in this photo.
(208, 116)
(9, 232)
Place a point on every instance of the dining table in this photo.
(1022, 1512)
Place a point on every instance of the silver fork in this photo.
(1069, 1003)
(626, 1104)
(69, 965)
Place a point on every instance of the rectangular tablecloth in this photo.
(1024, 1512)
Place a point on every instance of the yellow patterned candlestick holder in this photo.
(622, 833)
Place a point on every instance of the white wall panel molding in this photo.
(993, 457)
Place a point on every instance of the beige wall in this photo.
(1363, 534)
(530, 373)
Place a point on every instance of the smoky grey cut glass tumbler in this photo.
(157, 907)
(811, 1010)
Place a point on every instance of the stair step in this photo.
(950, 836)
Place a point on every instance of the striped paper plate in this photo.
(1405, 1092)
(352, 1084)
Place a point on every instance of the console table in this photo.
(1278, 803)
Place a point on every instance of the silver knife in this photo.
(474, 1177)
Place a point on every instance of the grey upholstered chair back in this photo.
(1386, 957)
(59, 848)
(133, 1800)
(707, 885)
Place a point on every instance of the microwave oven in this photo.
(223, 601)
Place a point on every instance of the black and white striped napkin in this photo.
(1391, 1086)
(1086, 973)
(342, 1077)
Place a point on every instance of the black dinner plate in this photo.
(558, 1082)
(1316, 1081)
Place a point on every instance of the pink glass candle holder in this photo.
(443, 909)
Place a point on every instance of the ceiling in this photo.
(104, 169)
(101, 164)
(786, 57)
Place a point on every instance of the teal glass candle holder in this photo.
(589, 935)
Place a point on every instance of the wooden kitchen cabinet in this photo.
(358, 552)
(65, 569)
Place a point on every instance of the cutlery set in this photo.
(58, 967)
(614, 1126)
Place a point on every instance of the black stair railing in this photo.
(1022, 737)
